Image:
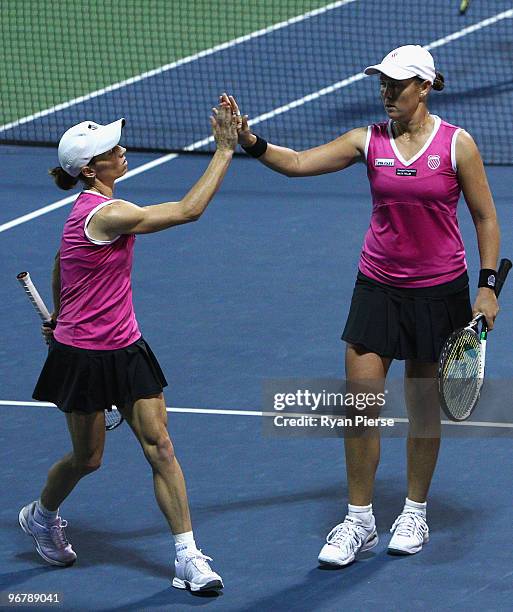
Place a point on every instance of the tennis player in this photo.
(411, 289)
(97, 357)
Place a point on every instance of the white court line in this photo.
(259, 413)
(265, 116)
(186, 60)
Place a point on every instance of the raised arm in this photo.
(122, 217)
(335, 155)
(472, 177)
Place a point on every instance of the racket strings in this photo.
(463, 357)
(460, 374)
(112, 418)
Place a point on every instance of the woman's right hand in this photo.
(246, 137)
(224, 128)
(47, 329)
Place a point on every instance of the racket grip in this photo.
(502, 273)
(33, 295)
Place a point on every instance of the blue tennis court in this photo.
(258, 289)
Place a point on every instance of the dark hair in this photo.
(65, 181)
(62, 179)
(439, 82)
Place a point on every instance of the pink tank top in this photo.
(96, 294)
(414, 239)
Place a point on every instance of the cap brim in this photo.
(390, 70)
(108, 136)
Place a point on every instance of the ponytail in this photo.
(62, 179)
(439, 82)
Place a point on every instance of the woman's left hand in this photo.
(486, 303)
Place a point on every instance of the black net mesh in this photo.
(294, 65)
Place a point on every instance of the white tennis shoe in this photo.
(410, 533)
(51, 541)
(193, 572)
(346, 540)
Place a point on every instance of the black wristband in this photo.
(487, 278)
(258, 149)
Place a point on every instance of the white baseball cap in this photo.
(83, 141)
(406, 62)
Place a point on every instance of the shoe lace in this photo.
(349, 532)
(57, 533)
(200, 560)
(408, 524)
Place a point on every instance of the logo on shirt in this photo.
(433, 161)
(384, 161)
(406, 171)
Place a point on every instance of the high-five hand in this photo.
(246, 138)
(224, 128)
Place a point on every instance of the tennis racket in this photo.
(461, 366)
(113, 418)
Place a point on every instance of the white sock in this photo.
(43, 515)
(183, 542)
(413, 506)
(364, 513)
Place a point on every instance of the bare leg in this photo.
(362, 451)
(148, 420)
(423, 441)
(88, 438)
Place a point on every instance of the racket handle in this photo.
(502, 273)
(33, 295)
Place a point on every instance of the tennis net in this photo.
(295, 67)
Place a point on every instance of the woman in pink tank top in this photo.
(97, 357)
(411, 290)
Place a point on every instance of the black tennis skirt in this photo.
(84, 380)
(408, 323)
